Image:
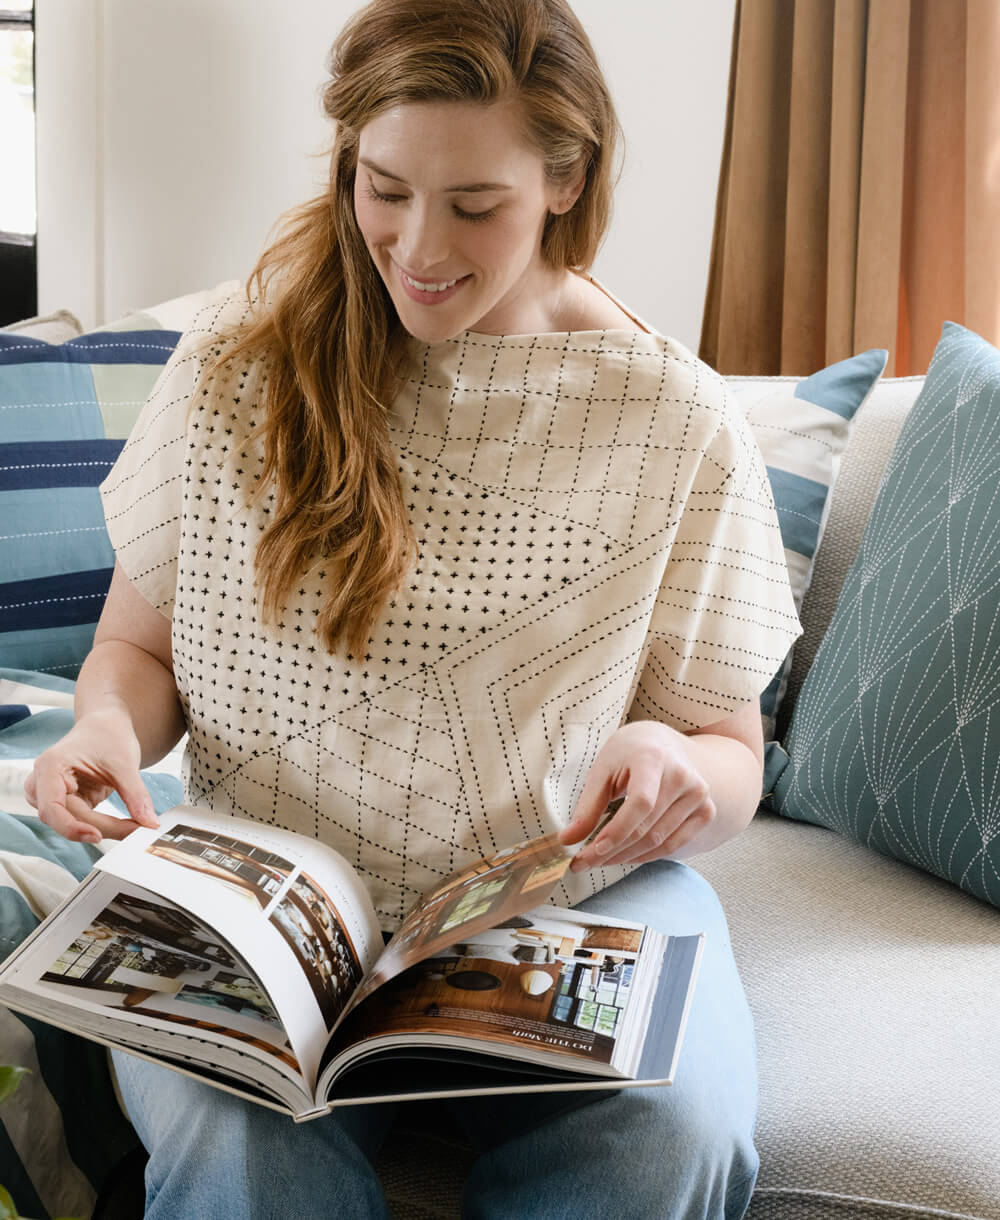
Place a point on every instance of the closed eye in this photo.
(387, 197)
(474, 216)
(379, 197)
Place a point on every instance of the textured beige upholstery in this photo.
(875, 990)
(57, 327)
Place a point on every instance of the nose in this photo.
(422, 239)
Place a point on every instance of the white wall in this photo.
(172, 135)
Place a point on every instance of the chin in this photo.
(423, 325)
(427, 333)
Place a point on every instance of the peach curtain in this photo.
(859, 192)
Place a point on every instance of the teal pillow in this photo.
(801, 429)
(895, 736)
(65, 411)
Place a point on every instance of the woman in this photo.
(431, 545)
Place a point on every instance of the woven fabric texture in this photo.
(875, 991)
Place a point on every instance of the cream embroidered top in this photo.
(597, 541)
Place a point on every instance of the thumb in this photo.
(590, 808)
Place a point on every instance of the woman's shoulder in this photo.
(221, 317)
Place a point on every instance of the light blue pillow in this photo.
(802, 428)
(65, 411)
(895, 736)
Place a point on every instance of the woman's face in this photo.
(451, 200)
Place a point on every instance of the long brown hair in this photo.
(329, 335)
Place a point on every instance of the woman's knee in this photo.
(696, 1151)
(174, 1114)
(205, 1142)
(644, 1152)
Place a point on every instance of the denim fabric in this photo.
(684, 1152)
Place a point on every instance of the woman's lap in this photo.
(680, 1151)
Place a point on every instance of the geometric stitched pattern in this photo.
(895, 736)
(596, 539)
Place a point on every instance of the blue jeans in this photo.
(680, 1152)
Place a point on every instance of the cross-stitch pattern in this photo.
(607, 547)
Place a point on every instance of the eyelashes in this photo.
(378, 196)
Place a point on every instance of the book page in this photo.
(291, 907)
(480, 896)
(549, 983)
(117, 950)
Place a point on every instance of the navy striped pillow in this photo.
(65, 411)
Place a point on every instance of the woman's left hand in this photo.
(666, 798)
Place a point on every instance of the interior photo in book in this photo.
(548, 977)
(295, 903)
(155, 960)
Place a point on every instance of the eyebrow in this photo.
(471, 189)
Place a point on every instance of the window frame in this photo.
(19, 251)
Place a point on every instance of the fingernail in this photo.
(602, 846)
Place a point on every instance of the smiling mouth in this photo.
(423, 286)
(430, 292)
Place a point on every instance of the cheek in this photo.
(500, 244)
(371, 219)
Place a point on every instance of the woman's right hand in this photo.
(98, 756)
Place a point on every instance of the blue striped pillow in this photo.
(802, 428)
(65, 411)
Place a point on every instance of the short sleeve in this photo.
(142, 494)
(724, 618)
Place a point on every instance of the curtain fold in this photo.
(859, 189)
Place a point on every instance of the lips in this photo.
(428, 287)
(430, 292)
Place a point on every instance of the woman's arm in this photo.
(128, 715)
(684, 793)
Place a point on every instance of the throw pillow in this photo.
(895, 735)
(65, 411)
(802, 428)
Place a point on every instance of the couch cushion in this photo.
(875, 990)
(801, 428)
(896, 731)
(873, 437)
(55, 327)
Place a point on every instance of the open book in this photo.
(251, 957)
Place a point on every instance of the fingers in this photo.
(656, 821)
(137, 800)
(667, 803)
(65, 795)
(668, 834)
(598, 792)
(99, 825)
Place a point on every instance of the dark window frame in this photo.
(18, 252)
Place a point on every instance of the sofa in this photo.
(872, 965)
